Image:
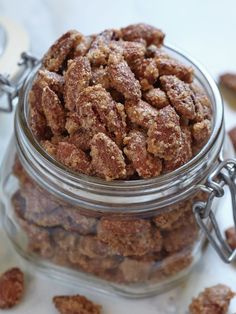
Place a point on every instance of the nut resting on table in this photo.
(118, 107)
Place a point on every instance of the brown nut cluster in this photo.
(75, 304)
(116, 248)
(11, 288)
(117, 106)
(212, 300)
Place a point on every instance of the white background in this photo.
(203, 28)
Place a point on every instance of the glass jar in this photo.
(135, 238)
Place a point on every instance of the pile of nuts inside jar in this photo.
(115, 106)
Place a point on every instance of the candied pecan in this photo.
(73, 157)
(232, 135)
(100, 76)
(229, 80)
(145, 164)
(230, 234)
(164, 136)
(184, 152)
(50, 148)
(129, 237)
(156, 97)
(169, 66)
(81, 139)
(107, 159)
(76, 304)
(99, 50)
(150, 34)
(38, 124)
(201, 131)
(176, 262)
(180, 95)
(77, 77)
(110, 114)
(146, 71)
(83, 46)
(153, 51)
(11, 288)
(53, 80)
(141, 113)
(57, 54)
(53, 111)
(122, 78)
(202, 104)
(213, 300)
(180, 238)
(135, 270)
(92, 247)
(72, 124)
(130, 50)
(165, 220)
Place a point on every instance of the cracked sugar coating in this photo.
(117, 106)
(213, 300)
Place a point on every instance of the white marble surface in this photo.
(203, 28)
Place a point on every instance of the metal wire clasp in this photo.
(11, 88)
(223, 175)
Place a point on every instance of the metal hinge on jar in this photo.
(10, 88)
(223, 175)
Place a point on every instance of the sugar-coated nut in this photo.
(100, 76)
(83, 45)
(146, 71)
(144, 163)
(50, 148)
(141, 113)
(176, 262)
(232, 135)
(72, 124)
(136, 271)
(75, 304)
(53, 111)
(111, 116)
(73, 157)
(184, 153)
(130, 50)
(201, 131)
(77, 77)
(169, 66)
(165, 220)
(99, 50)
(229, 80)
(180, 95)
(38, 124)
(129, 237)
(107, 159)
(230, 234)
(180, 238)
(202, 104)
(53, 80)
(122, 78)
(57, 54)
(212, 300)
(11, 288)
(164, 135)
(136, 32)
(81, 139)
(156, 97)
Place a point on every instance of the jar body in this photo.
(132, 254)
(135, 238)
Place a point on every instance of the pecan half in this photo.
(77, 77)
(145, 164)
(107, 159)
(180, 95)
(136, 32)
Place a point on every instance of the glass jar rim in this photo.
(105, 187)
